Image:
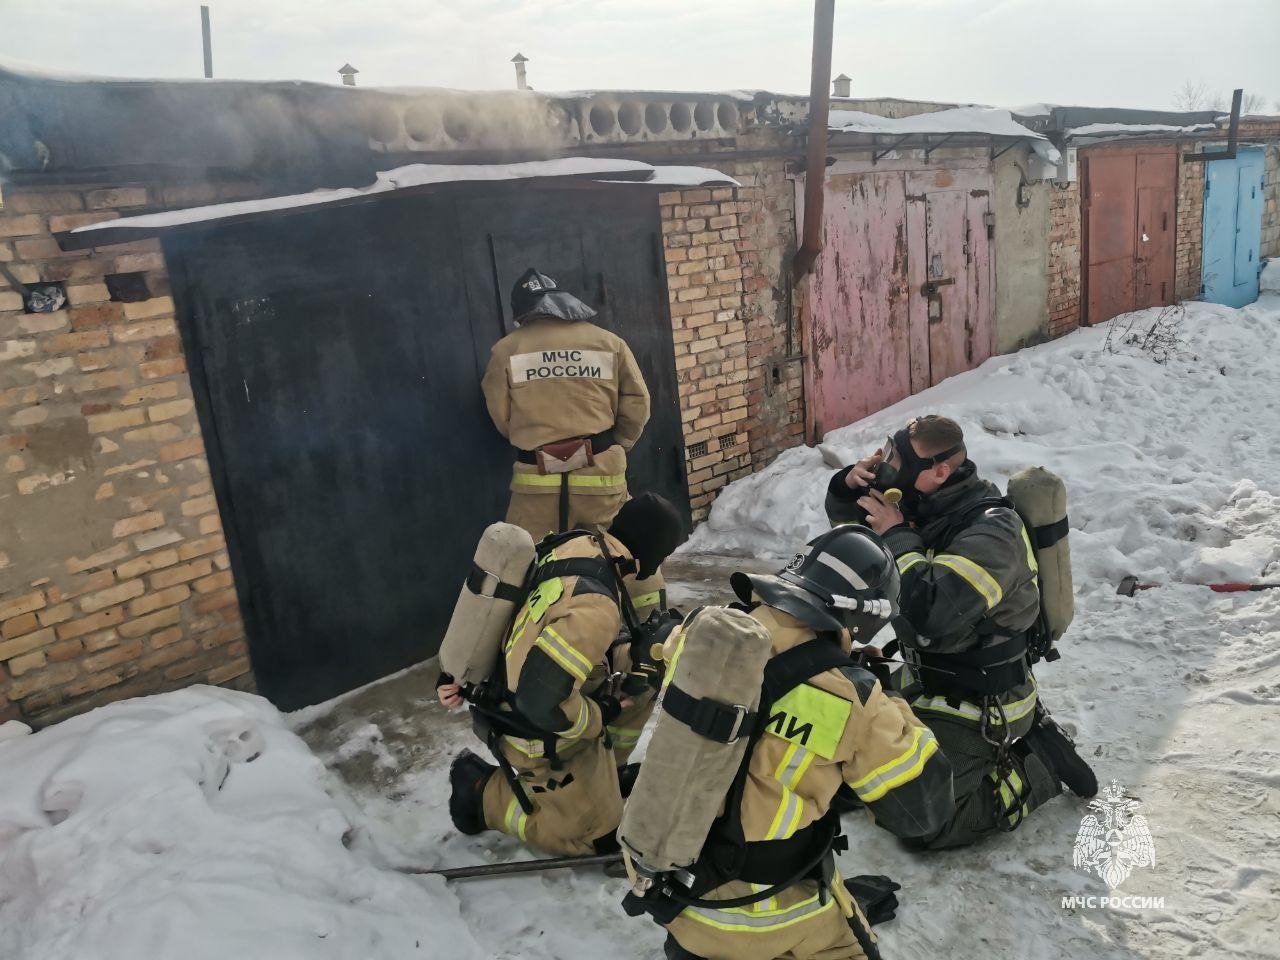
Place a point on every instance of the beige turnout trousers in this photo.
(795, 925)
(596, 494)
(572, 806)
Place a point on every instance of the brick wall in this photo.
(1188, 252)
(775, 392)
(1065, 310)
(1271, 203)
(114, 576)
(704, 255)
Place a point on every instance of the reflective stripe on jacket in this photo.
(962, 567)
(841, 727)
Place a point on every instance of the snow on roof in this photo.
(430, 174)
(980, 120)
(1033, 109)
(1101, 129)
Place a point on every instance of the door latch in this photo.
(930, 287)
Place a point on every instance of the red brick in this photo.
(222, 635)
(169, 654)
(113, 656)
(215, 601)
(231, 670)
(217, 581)
(43, 201)
(182, 574)
(151, 623)
(17, 646)
(95, 316)
(26, 603)
(198, 548)
(116, 197)
(139, 524)
(166, 637)
(78, 628)
(154, 369)
(182, 450)
(154, 601)
(52, 676)
(16, 627)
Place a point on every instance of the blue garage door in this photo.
(1232, 228)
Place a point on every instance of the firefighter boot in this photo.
(1051, 743)
(467, 777)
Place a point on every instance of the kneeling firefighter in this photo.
(986, 592)
(729, 831)
(556, 784)
(571, 399)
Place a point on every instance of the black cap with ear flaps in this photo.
(650, 528)
(849, 563)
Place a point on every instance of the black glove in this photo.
(845, 800)
(646, 673)
(610, 707)
(875, 895)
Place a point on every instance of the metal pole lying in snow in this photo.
(519, 867)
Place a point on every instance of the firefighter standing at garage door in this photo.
(570, 398)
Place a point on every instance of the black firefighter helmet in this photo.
(846, 578)
(536, 293)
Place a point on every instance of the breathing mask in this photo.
(898, 483)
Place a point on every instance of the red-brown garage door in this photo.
(1129, 220)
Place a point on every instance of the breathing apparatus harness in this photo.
(493, 710)
(986, 672)
(726, 854)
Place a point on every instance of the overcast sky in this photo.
(1002, 52)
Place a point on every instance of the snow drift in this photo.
(194, 825)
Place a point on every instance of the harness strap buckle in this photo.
(721, 722)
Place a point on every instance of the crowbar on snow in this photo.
(1130, 585)
(519, 867)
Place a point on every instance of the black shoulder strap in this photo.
(725, 850)
(593, 568)
(787, 670)
(968, 515)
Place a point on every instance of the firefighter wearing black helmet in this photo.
(570, 398)
(824, 723)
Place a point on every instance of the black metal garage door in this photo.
(337, 356)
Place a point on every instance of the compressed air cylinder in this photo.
(683, 780)
(1041, 498)
(481, 617)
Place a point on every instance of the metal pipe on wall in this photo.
(208, 42)
(824, 12)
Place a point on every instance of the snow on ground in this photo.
(1173, 474)
(194, 825)
(197, 825)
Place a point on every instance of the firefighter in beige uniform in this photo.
(558, 789)
(832, 724)
(570, 398)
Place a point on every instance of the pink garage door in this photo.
(900, 298)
